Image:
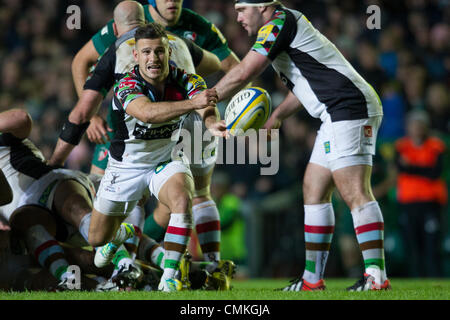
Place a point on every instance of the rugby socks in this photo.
(175, 242)
(207, 225)
(153, 229)
(369, 227)
(319, 229)
(150, 250)
(48, 252)
(122, 258)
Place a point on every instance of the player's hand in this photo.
(219, 129)
(272, 125)
(98, 129)
(206, 98)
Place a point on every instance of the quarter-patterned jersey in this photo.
(314, 69)
(138, 144)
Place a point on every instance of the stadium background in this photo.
(407, 61)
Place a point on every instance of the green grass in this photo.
(263, 289)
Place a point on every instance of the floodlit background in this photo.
(407, 61)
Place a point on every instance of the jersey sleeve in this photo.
(101, 79)
(276, 35)
(193, 84)
(126, 90)
(104, 38)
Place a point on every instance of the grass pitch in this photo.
(263, 289)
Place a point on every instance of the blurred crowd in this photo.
(407, 61)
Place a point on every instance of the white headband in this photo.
(262, 4)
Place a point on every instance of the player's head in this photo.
(127, 15)
(252, 14)
(169, 10)
(152, 52)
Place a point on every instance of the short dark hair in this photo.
(150, 30)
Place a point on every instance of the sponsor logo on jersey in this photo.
(263, 33)
(163, 132)
(102, 154)
(368, 131)
(190, 35)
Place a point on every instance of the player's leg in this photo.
(156, 223)
(38, 228)
(352, 168)
(354, 187)
(173, 185)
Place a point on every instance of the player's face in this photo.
(152, 56)
(170, 10)
(250, 18)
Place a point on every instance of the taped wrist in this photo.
(72, 133)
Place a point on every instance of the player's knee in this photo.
(182, 203)
(314, 195)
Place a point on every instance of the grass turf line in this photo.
(263, 289)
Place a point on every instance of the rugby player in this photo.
(48, 202)
(184, 23)
(324, 82)
(151, 101)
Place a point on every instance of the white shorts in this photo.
(202, 157)
(121, 188)
(42, 191)
(345, 143)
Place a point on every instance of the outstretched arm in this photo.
(285, 109)
(76, 125)
(237, 78)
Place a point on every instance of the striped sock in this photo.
(175, 242)
(369, 228)
(207, 225)
(47, 251)
(150, 250)
(319, 228)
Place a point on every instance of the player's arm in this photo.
(229, 62)
(75, 126)
(247, 70)
(209, 64)
(147, 111)
(81, 63)
(285, 109)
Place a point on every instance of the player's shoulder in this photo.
(194, 17)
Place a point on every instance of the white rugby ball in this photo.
(248, 109)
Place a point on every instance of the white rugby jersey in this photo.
(137, 144)
(314, 69)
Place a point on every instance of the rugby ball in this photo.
(248, 109)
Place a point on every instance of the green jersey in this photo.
(190, 26)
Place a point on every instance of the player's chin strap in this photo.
(255, 3)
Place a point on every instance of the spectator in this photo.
(421, 194)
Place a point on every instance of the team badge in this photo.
(190, 35)
(368, 131)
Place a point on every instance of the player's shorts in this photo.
(42, 191)
(121, 188)
(204, 155)
(345, 143)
